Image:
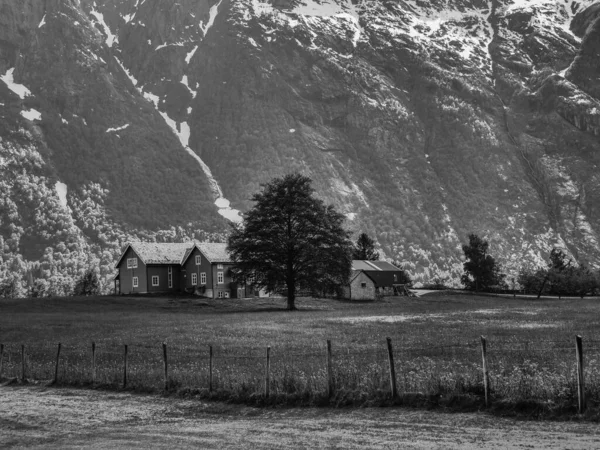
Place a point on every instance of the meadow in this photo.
(436, 341)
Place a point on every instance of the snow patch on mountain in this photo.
(110, 37)
(17, 88)
(184, 81)
(110, 130)
(61, 191)
(32, 114)
(190, 55)
(212, 15)
(129, 75)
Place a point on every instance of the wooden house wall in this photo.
(162, 271)
(126, 275)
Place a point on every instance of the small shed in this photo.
(372, 278)
(361, 287)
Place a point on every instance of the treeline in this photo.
(561, 276)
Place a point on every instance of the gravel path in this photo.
(37, 417)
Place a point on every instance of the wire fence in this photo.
(544, 370)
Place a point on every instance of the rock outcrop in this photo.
(421, 121)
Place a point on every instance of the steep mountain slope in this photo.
(422, 121)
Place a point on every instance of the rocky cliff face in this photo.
(421, 121)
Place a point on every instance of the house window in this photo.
(154, 280)
(220, 266)
(220, 278)
(135, 282)
(203, 278)
(226, 294)
(363, 284)
(198, 260)
(132, 263)
(395, 278)
(170, 277)
(194, 279)
(220, 294)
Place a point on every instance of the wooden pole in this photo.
(125, 366)
(580, 381)
(1, 359)
(486, 381)
(22, 363)
(210, 368)
(56, 367)
(166, 365)
(93, 363)
(392, 369)
(267, 373)
(329, 371)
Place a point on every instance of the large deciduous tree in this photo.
(481, 271)
(290, 240)
(364, 248)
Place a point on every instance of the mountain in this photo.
(422, 121)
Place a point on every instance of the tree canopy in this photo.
(364, 249)
(481, 272)
(291, 241)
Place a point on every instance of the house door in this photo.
(240, 293)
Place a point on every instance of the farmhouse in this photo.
(372, 278)
(205, 269)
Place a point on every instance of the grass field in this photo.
(436, 342)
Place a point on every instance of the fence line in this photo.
(337, 369)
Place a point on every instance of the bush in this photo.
(9, 288)
(88, 284)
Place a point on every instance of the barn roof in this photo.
(379, 266)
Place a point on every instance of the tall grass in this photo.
(531, 348)
(519, 372)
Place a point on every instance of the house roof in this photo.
(215, 252)
(356, 273)
(158, 253)
(379, 266)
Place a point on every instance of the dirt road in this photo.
(36, 417)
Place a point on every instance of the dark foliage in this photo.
(559, 278)
(364, 249)
(8, 288)
(481, 272)
(291, 241)
(88, 284)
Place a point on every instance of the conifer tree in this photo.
(364, 248)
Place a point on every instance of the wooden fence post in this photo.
(392, 368)
(580, 381)
(486, 381)
(56, 367)
(267, 373)
(1, 359)
(125, 367)
(329, 371)
(210, 368)
(22, 363)
(93, 363)
(166, 365)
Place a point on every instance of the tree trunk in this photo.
(291, 300)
